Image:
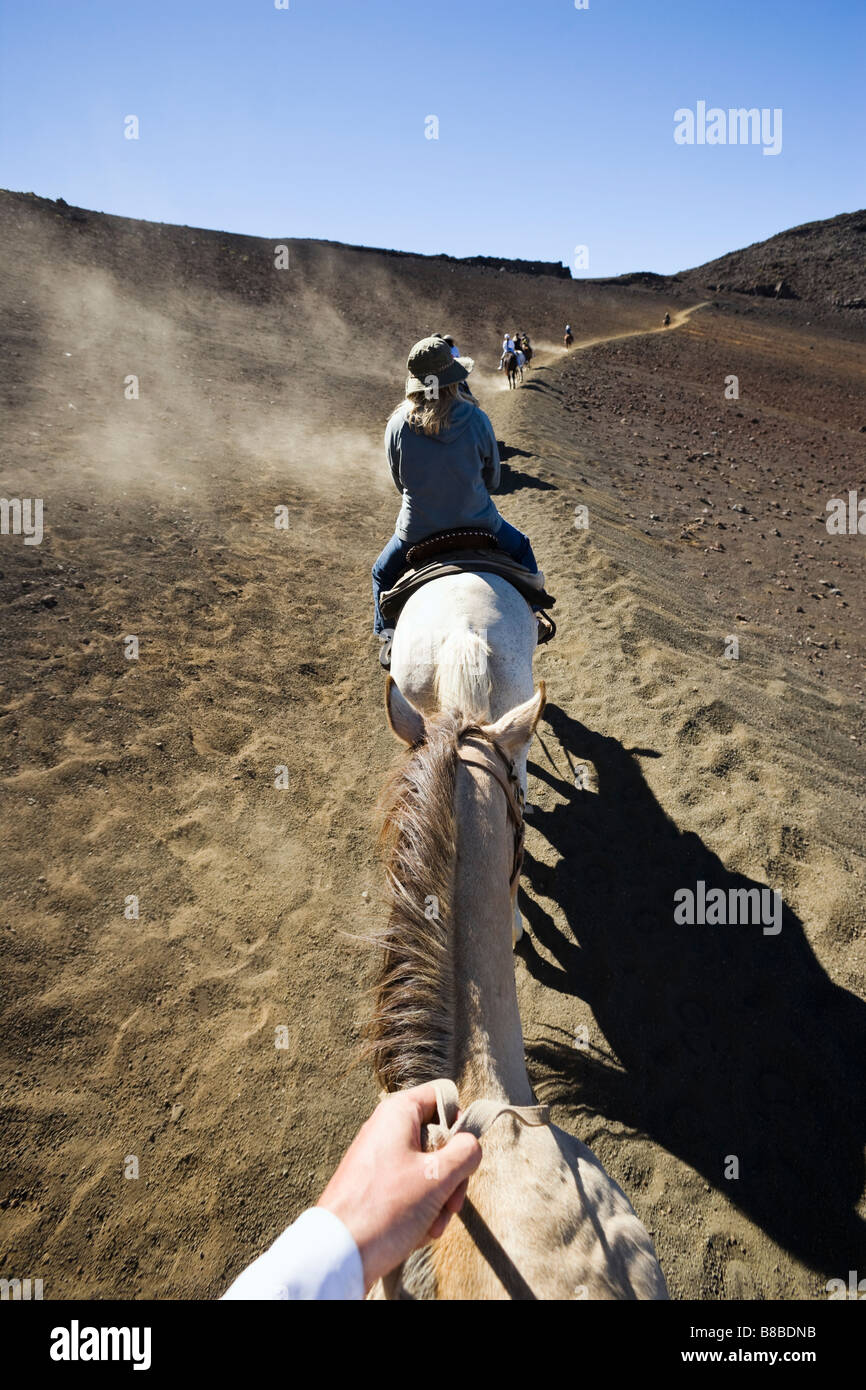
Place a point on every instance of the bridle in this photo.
(485, 755)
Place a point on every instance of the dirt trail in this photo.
(545, 353)
(678, 318)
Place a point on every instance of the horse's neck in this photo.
(488, 1041)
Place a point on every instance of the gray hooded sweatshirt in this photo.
(445, 480)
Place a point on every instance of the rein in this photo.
(477, 1119)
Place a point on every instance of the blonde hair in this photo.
(430, 414)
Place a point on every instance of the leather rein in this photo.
(476, 1119)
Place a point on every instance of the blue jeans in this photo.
(516, 545)
(392, 562)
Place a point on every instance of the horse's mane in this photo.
(409, 1036)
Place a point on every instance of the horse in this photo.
(568, 339)
(541, 1218)
(466, 641)
(527, 352)
(512, 368)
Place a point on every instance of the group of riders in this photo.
(519, 346)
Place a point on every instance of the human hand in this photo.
(390, 1194)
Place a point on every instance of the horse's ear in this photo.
(406, 721)
(513, 732)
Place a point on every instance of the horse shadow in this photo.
(510, 451)
(514, 479)
(734, 1050)
(534, 386)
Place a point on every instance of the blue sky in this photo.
(555, 124)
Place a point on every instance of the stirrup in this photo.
(385, 640)
(546, 627)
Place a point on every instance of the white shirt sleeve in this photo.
(316, 1258)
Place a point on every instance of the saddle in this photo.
(464, 550)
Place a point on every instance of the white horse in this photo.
(542, 1219)
(466, 642)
